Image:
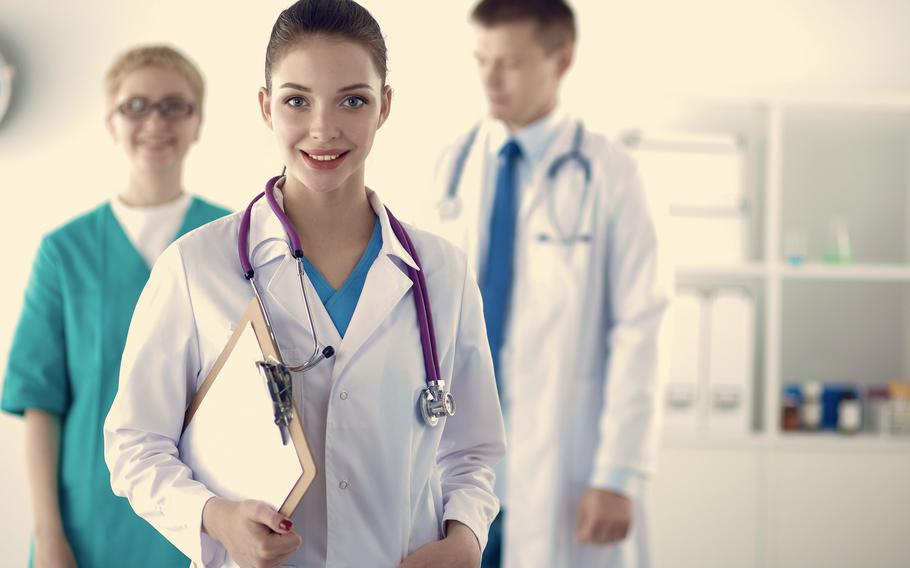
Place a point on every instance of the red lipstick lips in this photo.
(328, 159)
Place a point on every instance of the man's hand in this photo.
(603, 517)
(459, 549)
(253, 533)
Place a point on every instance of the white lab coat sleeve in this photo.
(637, 300)
(474, 439)
(157, 380)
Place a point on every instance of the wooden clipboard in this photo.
(253, 317)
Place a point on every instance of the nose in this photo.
(154, 120)
(323, 125)
(491, 76)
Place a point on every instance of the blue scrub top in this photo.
(65, 359)
(340, 303)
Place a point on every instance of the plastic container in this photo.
(811, 411)
(875, 410)
(849, 413)
(791, 406)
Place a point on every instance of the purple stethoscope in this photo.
(435, 402)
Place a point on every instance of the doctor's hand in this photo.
(459, 549)
(253, 533)
(53, 550)
(603, 517)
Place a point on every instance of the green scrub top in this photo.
(65, 359)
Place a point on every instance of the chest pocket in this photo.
(558, 239)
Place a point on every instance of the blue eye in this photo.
(354, 102)
(296, 102)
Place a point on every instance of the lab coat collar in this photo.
(391, 246)
(268, 239)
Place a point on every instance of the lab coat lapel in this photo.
(268, 248)
(293, 328)
(386, 285)
(540, 185)
(470, 191)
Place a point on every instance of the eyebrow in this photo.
(306, 89)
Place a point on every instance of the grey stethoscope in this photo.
(450, 206)
(435, 402)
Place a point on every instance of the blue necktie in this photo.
(496, 284)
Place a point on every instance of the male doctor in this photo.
(557, 227)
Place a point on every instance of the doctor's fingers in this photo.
(586, 526)
(618, 531)
(261, 513)
(279, 547)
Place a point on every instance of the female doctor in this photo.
(390, 489)
(87, 276)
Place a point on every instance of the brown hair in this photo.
(339, 18)
(153, 56)
(554, 18)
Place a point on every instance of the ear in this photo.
(198, 128)
(386, 105)
(109, 124)
(564, 56)
(265, 106)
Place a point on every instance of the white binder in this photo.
(681, 415)
(731, 363)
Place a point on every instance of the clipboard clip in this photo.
(278, 381)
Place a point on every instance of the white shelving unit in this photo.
(870, 273)
(798, 494)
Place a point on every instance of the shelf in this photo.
(817, 271)
(811, 271)
(840, 442)
(793, 441)
(861, 101)
(744, 270)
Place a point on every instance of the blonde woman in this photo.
(87, 277)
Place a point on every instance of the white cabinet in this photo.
(790, 503)
(827, 510)
(813, 171)
(706, 508)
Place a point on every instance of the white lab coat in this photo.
(386, 482)
(581, 358)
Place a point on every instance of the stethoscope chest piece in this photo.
(449, 208)
(436, 403)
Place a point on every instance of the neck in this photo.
(147, 188)
(332, 220)
(539, 113)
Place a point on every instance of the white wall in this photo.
(56, 158)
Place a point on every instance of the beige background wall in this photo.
(56, 159)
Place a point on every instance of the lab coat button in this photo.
(344, 395)
(343, 484)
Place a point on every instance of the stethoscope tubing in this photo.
(421, 297)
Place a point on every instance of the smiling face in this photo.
(520, 78)
(153, 142)
(327, 100)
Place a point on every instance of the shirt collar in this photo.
(534, 139)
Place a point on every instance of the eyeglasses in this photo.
(170, 109)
